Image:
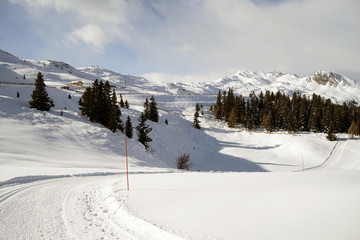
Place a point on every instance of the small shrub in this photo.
(183, 162)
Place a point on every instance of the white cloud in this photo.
(206, 36)
(92, 35)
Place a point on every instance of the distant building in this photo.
(78, 84)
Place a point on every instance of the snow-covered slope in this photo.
(250, 184)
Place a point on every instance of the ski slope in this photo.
(63, 177)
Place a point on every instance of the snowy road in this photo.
(71, 208)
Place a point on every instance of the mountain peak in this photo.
(326, 77)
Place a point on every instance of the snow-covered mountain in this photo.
(338, 87)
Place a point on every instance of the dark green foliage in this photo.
(153, 110)
(69, 96)
(114, 121)
(146, 108)
(143, 131)
(280, 112)
(24, 77)
(99, 105)
(217, 109)
(183, 162)
(128, 128)
(196, 123)
(121, 102)
(126, 104)
(40, 99)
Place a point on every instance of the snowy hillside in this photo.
(69, 172)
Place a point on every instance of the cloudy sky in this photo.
(191, 39)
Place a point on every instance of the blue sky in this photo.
(192, 39)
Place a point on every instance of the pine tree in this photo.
(166, 122)
(17, 94)
(121, 102)
(217, 110)
(126, 104)
(196, 123)
(268, 121)
(143, 131)
(352, 129)
(330, 135)
(24, 77)
(153, 110)
(40, 99)
(232, 119)
(128, 128)
(146, 109)
(69, 96)
(358, 128)
(115, 122)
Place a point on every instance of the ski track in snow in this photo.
(71, 208)
(333, 157)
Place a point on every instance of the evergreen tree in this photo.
(217, 110)
(358, 128)
(128, 128)
(228, 103)
(196, 123)
(153, 110)
(69, 96)
(146, 108)
(248, 116)
(24, 77)
(126, 104)
(166, 122)
(232, 119)
(17, 94)
(330, 135)
(143, 131)
(121, 102)
(268, 121)
(352, 129)
(115, 122)
(40, 99)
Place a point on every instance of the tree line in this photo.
(279, 111)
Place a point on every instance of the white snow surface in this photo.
(63, 177)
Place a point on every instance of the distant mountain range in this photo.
(338, 87)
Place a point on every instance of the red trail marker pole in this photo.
(127, 165)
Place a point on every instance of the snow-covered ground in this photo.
(63, 177)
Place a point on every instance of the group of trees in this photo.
(151, 111)
(100, 105)
(277, 111)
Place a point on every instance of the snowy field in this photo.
(63, 177)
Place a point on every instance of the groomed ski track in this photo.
(72, 208)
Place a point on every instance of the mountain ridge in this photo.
(337, 87)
